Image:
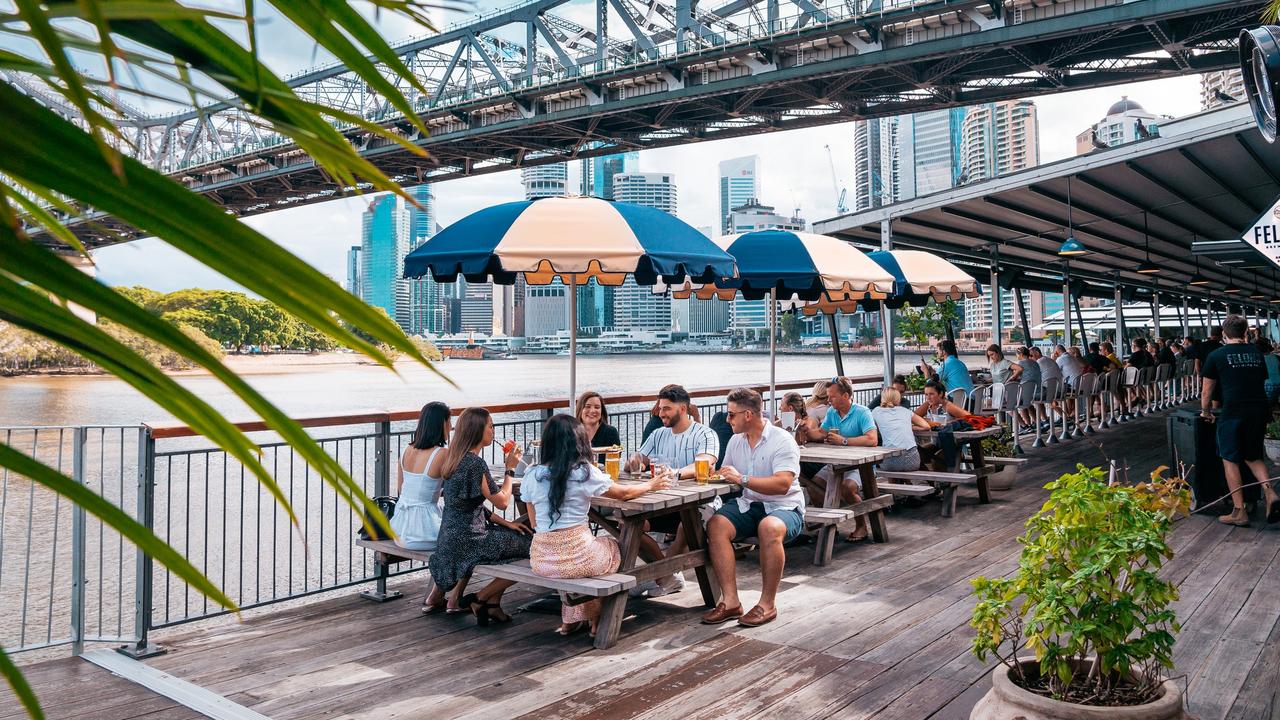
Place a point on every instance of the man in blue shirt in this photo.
(952, 370)
(848, 424)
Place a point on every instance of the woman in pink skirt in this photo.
(558, 494)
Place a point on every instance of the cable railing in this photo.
(67, 579)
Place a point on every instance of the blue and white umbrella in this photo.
(574, 240)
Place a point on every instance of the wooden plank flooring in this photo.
(880, 633)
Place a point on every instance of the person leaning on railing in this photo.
(470, 535)
(558, 496)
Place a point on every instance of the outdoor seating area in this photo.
(882, 632)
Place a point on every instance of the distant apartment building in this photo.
(906, 156)
(637, 307)
(476, 307)
(384, 242)
(739, 185)
(1221, 88)
(598, 173)
(1126, 122)
(353, 270)
(430, 303)
(543, 181)
(998, 139)
(1038, 305)
(545, 310)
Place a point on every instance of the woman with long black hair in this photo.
(558, 495)
(470, 535)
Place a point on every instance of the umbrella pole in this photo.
(773, 350)
(835, 343)
(573, 340)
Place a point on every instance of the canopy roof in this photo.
(1208, 177)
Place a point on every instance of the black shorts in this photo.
(1240, 436)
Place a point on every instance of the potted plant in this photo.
(1087, 606)
(999, 451)
(1272, 441)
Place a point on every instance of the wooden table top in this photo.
(686, 492)
(846, 456)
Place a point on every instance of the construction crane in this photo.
(840, 193)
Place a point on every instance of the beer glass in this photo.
(702, 470)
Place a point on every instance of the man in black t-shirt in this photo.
(1239, 370)
(1165, 356)
(1095, 360)
(1140, 358)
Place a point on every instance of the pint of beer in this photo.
(613, 463)
(702, 470)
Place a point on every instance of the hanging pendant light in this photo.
(1147, 267)
(1071, 247)
(1231, 288)
(1197, 279)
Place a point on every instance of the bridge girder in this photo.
(655, 73)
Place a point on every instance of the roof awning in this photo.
(1208, 177)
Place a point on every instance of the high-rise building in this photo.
(999, 138)
(1037, 304)
(750, 318)
(739, 185)
(935, 150)
(429, 304)
(384, 242)
(877, 149)
(545, 310)
(655, 190)
(422, 218)
(598, 172)
(902, 157)
(1221, 88)
(1126, 122)
(545, 181)
(353, 270)
(475, 307)
(637, 307)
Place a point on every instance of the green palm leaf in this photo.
(50, 165)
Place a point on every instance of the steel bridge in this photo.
(527, 85)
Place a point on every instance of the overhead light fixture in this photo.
(1197, 279)
(1071, 247)
(1231, 288)
(1147, 267)
(1260, 65)
(1257, 294)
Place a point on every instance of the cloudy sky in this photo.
(796, 174)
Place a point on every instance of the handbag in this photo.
(387, 505)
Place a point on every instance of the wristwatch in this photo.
(746, 479)
(510, 472)
(846, 441)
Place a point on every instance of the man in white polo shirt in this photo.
(765, 461)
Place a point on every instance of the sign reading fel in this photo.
(1264, 236)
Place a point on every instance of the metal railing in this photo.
(68, 579)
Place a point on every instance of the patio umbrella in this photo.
(571, 239)
(797, 267)
(918, 276)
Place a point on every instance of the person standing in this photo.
(1239, 371)
(764, 461)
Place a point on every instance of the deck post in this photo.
(886, 317)
(1066, 305)
(1022, 316)
(381, 487)
(997, 310)
(1155, 310)
(1119, 321)
(1186, 316)
(142, 576)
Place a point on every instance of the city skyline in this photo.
(798, 175)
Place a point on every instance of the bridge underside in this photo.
(824, 75)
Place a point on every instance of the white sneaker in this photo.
(644, 589)
(669, 585)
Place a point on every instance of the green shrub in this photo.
(1086, 598)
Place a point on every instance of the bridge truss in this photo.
(555, 80)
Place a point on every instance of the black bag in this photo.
(387, 505)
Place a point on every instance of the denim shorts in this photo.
(745, 524)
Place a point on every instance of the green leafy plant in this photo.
(916, 381)
(60, 164)
(1273, 430)
(1086, 599)
(998, 446)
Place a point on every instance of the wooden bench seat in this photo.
(948, 481)
(905, 489)
(1003, 461)
(827, 522)
(386, 554)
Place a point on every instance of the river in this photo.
(347, 387)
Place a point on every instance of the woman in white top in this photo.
(416, 521)
(897, 426)
(1000, 367)
(558, 496)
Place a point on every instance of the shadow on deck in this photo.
(880, 633)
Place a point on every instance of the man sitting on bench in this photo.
(765, 461)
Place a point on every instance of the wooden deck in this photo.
(880, 633)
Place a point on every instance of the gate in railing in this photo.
(67, 579)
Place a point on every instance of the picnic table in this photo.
(627, 524)
(972, 438)
(842, 458)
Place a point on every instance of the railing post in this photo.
(381, 487)
(79, 436)
(142, 600)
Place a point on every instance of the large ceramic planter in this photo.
(1003, 479)
(1007, 701)
(1272, 446)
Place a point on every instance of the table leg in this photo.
(980, 467)
(696, 538)
(614, 606)
(831, 499)
(879, 532)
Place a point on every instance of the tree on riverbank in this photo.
(232, 318)
(22, 351)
